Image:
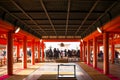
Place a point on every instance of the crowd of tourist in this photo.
(57, 54)
(100, 56)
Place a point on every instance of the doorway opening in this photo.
(55, 51)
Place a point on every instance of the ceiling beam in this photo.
(56, 29)
(61, 32)
(27, 15)
(107, 10)
(60, 24)
(93, 7)
(62, 19)
(57, 25)
(68, 12)
(48, 16)
(56, 12)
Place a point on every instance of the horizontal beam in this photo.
(48, 28)
(56, 12)
(51, 31)
(61, 19)
(61, 40)
(57, 25)
(108, 27)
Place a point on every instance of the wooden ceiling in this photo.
(59, 18)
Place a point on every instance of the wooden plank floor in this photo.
(18, 72)
(84, 72)
(93, 73)
(114, 69)
(34, 72)
(49, 72)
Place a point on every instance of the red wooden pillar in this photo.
(112, 52)
(18, 51)
(24, 52)
(94, 53)
(81, 51)
(38, 51)
(10, 53)
(106, 53)
(88, 52)
(42, 46)
(84, 51)
(33, 52)
(98, 48)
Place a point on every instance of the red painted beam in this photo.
(6, 26)
(108, 27)
(61, 40)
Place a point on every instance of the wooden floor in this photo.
(114, 69)
(39, 70)
(96, 75)
(49, 72)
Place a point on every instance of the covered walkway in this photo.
(26, 25)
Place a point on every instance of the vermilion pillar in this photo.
(106, 53)
(24, 52)
(10, 53)
(42, 46)
(33, 52)
(88, 52)
(38, 51)
(84, 51)
(81, 51)
(18, 51)
(94, 52)
(98, 48)
(112, 53)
